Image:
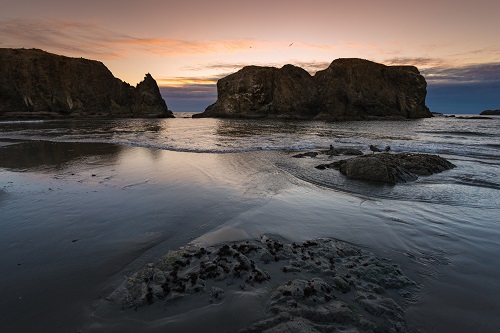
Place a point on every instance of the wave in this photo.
(23, 121)
(487, 151)
(169, 147)
(460, 133)
(435, 189)
(463, 180)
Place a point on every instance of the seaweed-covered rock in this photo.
(390, 168)
(330, 152)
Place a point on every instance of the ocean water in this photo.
(222, 179)
(460, 137)
(473, 144)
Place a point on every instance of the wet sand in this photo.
(78, 218)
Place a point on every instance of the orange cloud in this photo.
(81, 39)
(229, 68)
(184, 81)
(419, 62)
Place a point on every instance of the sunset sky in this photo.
(187, 45)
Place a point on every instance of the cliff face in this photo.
(257, 92)
(349, 89)
(361, 89)
(37, 84)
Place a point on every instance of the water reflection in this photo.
(49, 156)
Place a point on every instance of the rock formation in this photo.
(390, 168)
(490, 113)
(37, 84)
(349, 89)
(257, 92)
(321, 285)
(361, 89)
(330, 152)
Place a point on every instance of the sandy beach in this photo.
(79, 219)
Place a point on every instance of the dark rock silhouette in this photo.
(38, 84)
(308, 154)
(390, 168)
(349, 89)
(258, 92)
(331, 152)
(357, 89)
(490, 113)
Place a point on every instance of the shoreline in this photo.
(91, 214)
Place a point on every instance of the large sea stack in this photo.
(38, 84)
(349, 89)
(258, 92)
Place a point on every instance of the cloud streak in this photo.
(90, 40)
(441, 71)
(87, 39)
(228, 68)
(415, 61)
(477, 73)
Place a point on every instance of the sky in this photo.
(187, 45)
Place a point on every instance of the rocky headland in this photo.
(35, 84)
(490, 113)
(349, 89)
(322, 285)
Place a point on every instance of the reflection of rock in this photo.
(490, 113)
(349, 89)
(390, 168)
(323, 285)
(45, 154)
(37, 84)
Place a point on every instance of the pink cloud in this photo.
(81, 39)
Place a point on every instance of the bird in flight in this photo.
(290, 45)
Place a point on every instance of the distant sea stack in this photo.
(349, 89)
(37, 84)
(490, 113)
